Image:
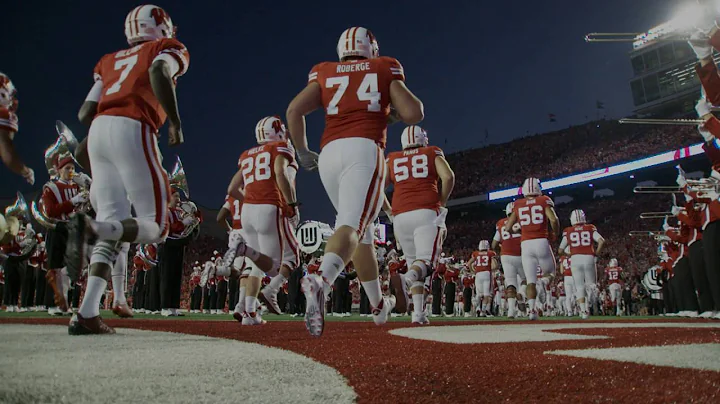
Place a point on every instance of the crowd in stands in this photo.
(575, 149)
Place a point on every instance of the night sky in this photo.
(476, 65)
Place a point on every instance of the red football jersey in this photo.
(565, 264)
(581, 239)
(257, 166)
(235, 208)
(481, 261)
(451, 274)
(509, 242)
(126, 82)
(613, 274)
(415, 178)
(530, 214)
(356, 97)
(56, 198)
(8, 120)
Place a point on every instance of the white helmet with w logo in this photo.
(577, 217)
(357, 41)
(484, 245)
(414, 136)
(148, 23)
(531, 187)
(270, 129)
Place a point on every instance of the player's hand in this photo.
(703, 107)
(681, 181)
(175, 135)
(29, 175)
(308, 159)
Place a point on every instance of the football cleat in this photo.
(584, 315)
(533, 315)
(86, 326)
(252, 319)
(122, 310)
(422, 319)
(381, 313)
(269, 299)
(314, 290)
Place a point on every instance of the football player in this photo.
(356, 94)
(533, 212)
(8, 128)
(483, 262)
(613, 274)
(233, 208)
(510, 257)
(267, 237)
(133, 95)
(418, 209)
(581, 238)
(568, 282)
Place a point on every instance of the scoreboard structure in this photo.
(664, 82)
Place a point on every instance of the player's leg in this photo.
(118, 274)
(530, 263)
(353, 174)
(577, 266)
(290, 261)
(426, 247)
(260, 228)
(509, 264)
(569, 295)
(404, 226)
(486, 294)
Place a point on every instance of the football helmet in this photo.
(148, 23)
(613, 263)
(509, 208)
(483, 245)
(7, 93)
(531, 187)
(270, 129)
(414, 136)
(577, 217)
(357, 41)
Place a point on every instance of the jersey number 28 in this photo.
(256, 168)
(368, 91)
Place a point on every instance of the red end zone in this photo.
(383, 367)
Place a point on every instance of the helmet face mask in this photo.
(413, 136)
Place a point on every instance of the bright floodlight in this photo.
(688, 17)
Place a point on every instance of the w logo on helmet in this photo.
(160, 16)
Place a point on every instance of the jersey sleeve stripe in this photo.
(9, 124)
(312, 76)
(180, 57)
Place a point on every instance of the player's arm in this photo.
(553, 219)
(222, 216)
(408, 107)
(283, 183)
(512, 219)
(496, 240)
(493, 263)
(563, 245)
(600, 242)
(447, 176)
(11, 158)
(307, 101)
(162, 71)
(235, 189)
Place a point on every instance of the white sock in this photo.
(251, 304)
(512, 303)
(240, 306)
(276, 283)
(110, 230)
(118, 284)
(531, 304)
(90, 306)
(418, 303)
(411, 276)
(372, 289)
(331, 266)
(484, 307)
(148, 231)
(583, 306)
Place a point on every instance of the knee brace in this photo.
(257, 272)
(423, 266)
(417, 284)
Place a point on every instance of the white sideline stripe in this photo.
(503, 333)
(690, 356)
(41, 363)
